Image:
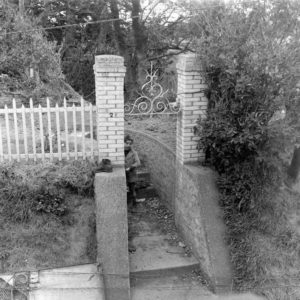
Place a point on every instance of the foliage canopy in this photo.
(30, 65)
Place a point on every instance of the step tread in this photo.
(175, 283)
(157, 252)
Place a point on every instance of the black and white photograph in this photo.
(149, 149)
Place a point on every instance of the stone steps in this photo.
(175, 283)
(160, 267)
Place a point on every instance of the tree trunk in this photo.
(21, 7)
(120, 38)
(126, 51)
(294, 168)
(140, 40)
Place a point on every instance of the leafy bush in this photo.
(79, 176)
(50, 200)
(27, 189)
(23, 46)
(249, 54)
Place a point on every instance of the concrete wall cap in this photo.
(109, 63)
(188, 62)
(109, 59)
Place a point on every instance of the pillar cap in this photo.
(112, 63)
(109, 59)
(188, 62)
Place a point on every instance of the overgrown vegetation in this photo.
(143, 30)
(30, 66)
(249, 53)
(39, 206)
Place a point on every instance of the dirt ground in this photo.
(158, 217)
(151, 217)
(161, 127)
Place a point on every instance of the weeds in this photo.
(37, 212)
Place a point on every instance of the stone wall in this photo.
(199, 218)
(159, 161)
(191, 193)
(189, 215)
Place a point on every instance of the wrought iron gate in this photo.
(152, 99)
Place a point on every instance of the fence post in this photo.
(109, 80)
(193, 104)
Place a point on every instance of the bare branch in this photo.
(151, 10)
(180, 18)
(168, 17)
(185, 49)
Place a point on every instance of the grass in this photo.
(56, 235)
(265, 247)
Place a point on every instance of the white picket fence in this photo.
(51, 132)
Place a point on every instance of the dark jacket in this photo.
(132, 161)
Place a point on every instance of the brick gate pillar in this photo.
(193, 104)
(109, 85)
(110, 188)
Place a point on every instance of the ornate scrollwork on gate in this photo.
(152, 99)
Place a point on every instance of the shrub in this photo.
(27, 189)
(249, 54)
(79, 176)
(50, 200)
(23, 45)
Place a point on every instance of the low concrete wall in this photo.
(112, 233)
(199, 218)
(190, 191)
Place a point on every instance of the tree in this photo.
(139, 32)
(78, 43)
(23, 47)
(249, 51)
(148, 35)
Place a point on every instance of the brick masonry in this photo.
(193, 105)
(189, 191)
(109, 81)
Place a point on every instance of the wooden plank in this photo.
(1, 144)
(91, 130)
(25, 132)
(7, 132)
(41, 132)
(32, 128)
(16, 129)
(83, 128)
(75, 132)
(44, 109)
(66, 129)
(58, 132)
(47, 155)
(49, 129)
